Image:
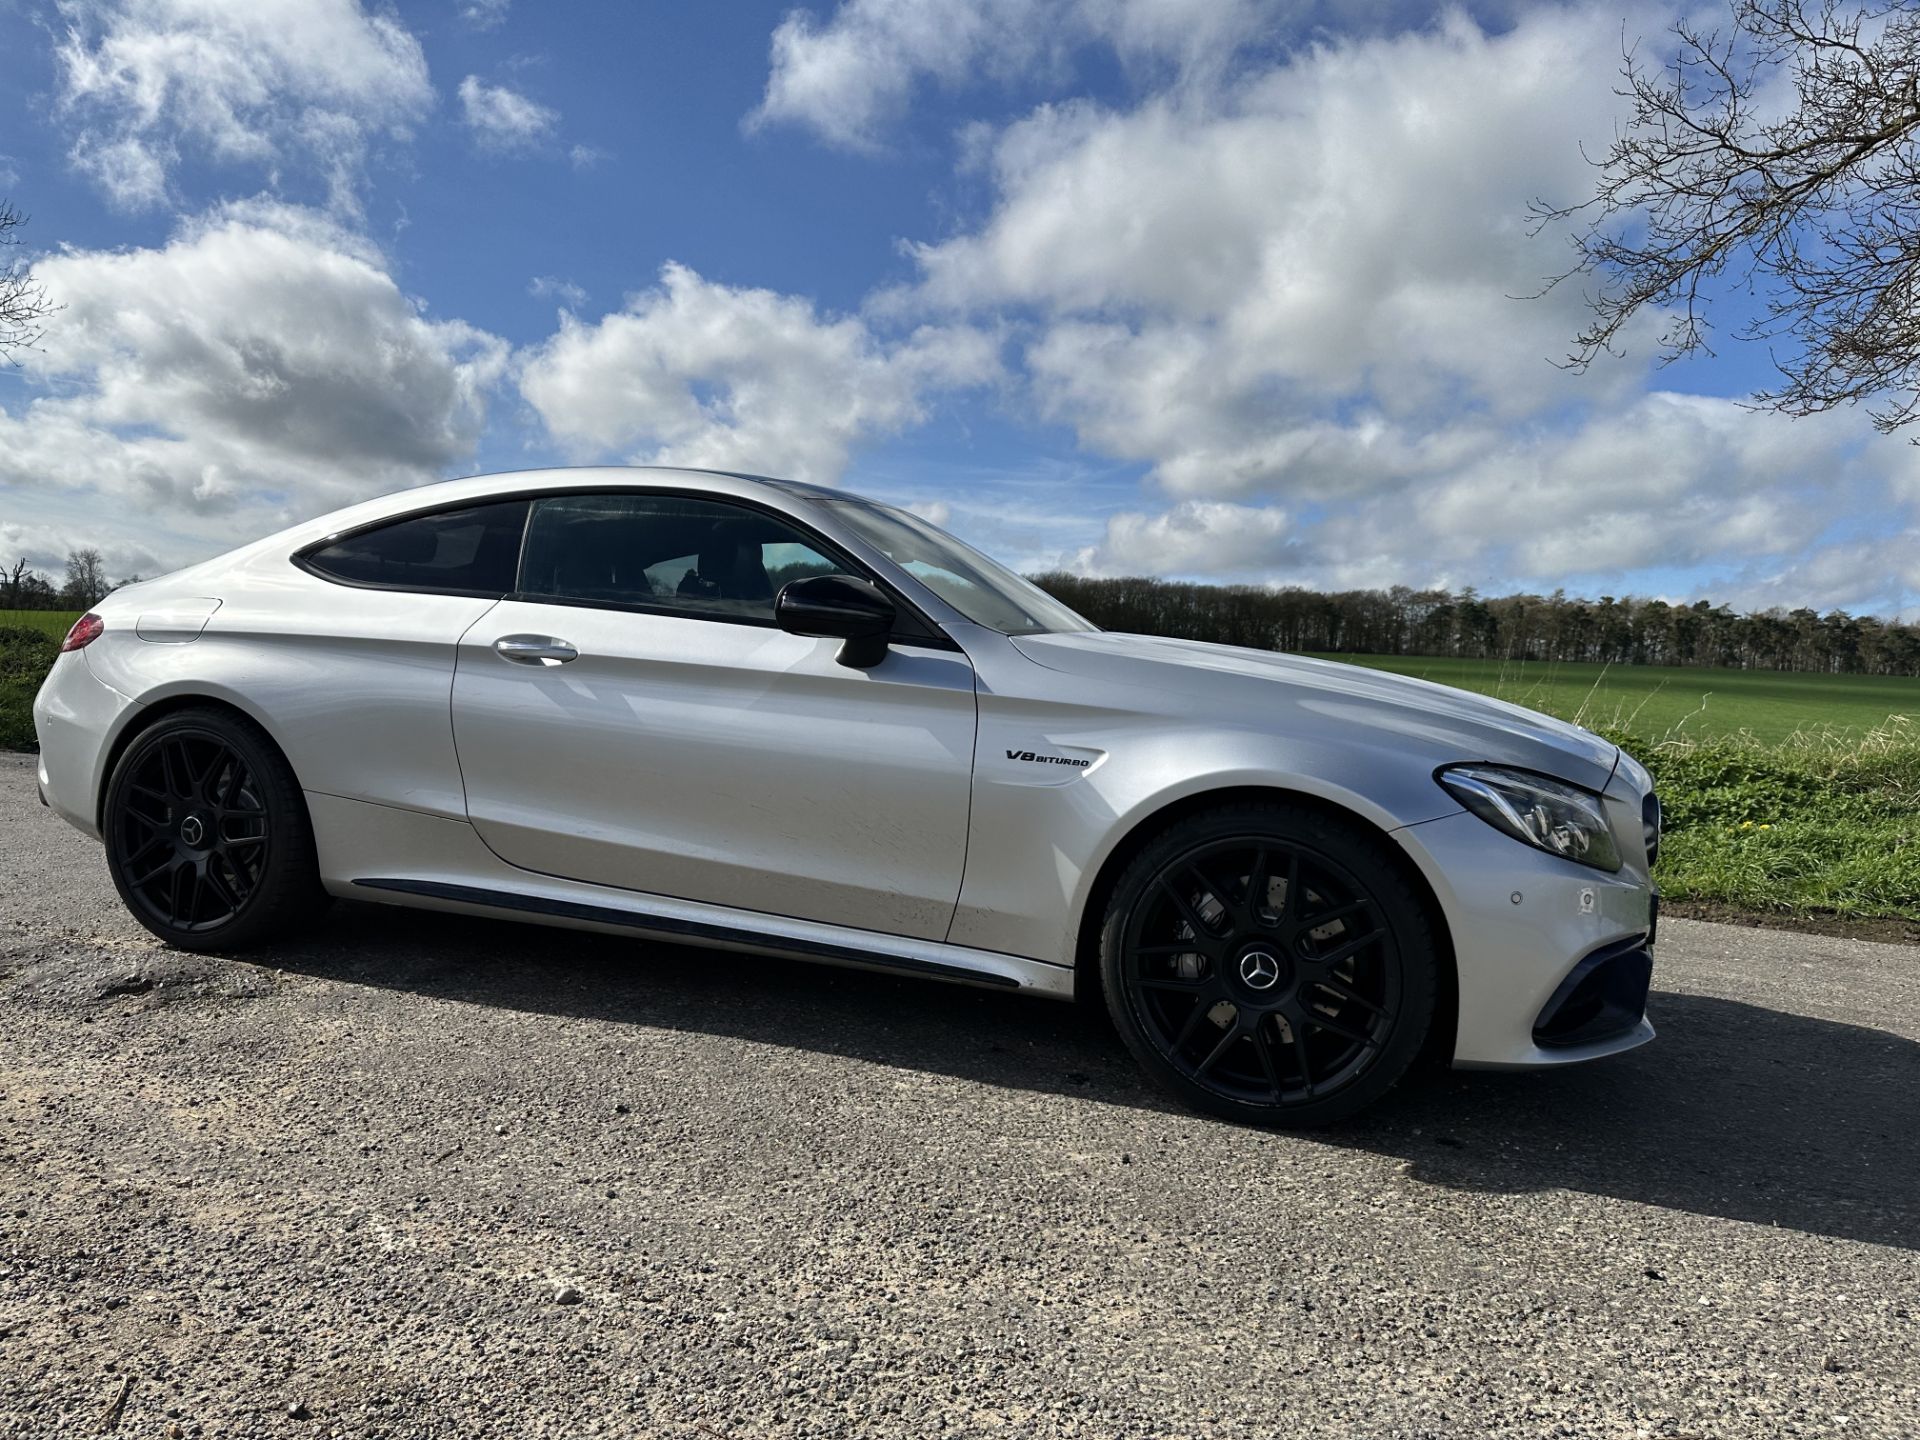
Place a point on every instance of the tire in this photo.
(207, 834)
(1269, 964)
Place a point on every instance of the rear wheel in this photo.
(207, 834)
(1268, 963)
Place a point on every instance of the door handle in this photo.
(534, 650)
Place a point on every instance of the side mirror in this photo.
(841, 608)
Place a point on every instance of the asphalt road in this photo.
(414, 1176)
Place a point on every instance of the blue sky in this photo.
(1207, 288)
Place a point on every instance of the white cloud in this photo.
(485, 14)
(1848, 575)
(585, 157)
(260, 367)
(848, 77)
(1195, 537)
(1352, 219)
(1668, 483)
(551, 287)
(1671, 480)
(503, 118)
(709, 375)
(268, 84)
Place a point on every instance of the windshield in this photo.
(983, 590)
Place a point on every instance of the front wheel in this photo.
(207, 834)
(1268, 963)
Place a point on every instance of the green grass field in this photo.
(1669, 702)
(52, 622)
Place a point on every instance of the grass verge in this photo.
(25, 653)
(1821, 823)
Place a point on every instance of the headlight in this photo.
(1546, 814)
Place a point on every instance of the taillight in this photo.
(85, 631)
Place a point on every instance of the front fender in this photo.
(1043, 830)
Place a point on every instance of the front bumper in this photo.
(1602, 998)
(1522, 924)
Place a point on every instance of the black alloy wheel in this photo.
(207, 833)
(1270, 964)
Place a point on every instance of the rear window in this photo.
(475, 550)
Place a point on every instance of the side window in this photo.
(473, 549)
(680, 555)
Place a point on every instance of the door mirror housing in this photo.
(838, 607)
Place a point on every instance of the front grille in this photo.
(1650, 820)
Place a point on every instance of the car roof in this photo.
(573, 477)
(474, 488)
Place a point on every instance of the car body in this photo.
(653, 751)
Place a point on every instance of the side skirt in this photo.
(967, 967)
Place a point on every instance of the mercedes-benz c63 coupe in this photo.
(764, 716)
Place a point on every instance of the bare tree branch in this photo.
(1780, 156)
(24, 305)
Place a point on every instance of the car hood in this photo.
(1282, 692)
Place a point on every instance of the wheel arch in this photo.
(1087, 983)
(146, 715)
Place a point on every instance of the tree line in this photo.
(85, 585)
(1403, 621)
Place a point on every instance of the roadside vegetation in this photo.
(27, 647)
(1819, 823)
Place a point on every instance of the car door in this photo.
(633, 717)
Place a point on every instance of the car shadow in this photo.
(1737, 1111)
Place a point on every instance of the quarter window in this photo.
(469, 551)
(678, 554)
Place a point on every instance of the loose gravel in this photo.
(414, 1176)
